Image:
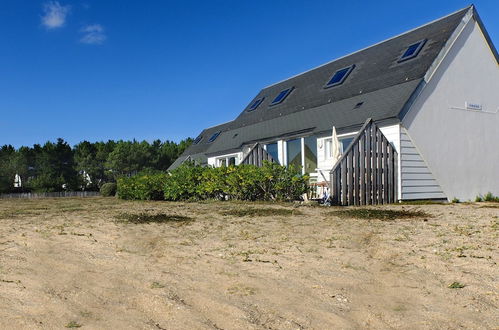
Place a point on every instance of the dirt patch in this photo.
(380, 214)
(149, 218)
(223, 265)
(260, 212)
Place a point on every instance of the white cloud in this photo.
(54, 15)
(93, 34)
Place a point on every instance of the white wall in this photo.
(212, 161)
(460, 146)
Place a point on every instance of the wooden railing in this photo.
(257, 155)
(366, 173)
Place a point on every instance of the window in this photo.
(339, 76)
(256, 104)
(293, 151)
(282, 96)
(198, 139)
(412, 51)
(328, 146)
(345, 143)
(272, 150)
(214, 137)
(310, 146)
(226, 161)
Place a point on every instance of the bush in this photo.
(489, 197)
(184, 183)
(142, 186)
(243, 182)
(108, 189)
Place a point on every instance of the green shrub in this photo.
(243, 182)
(489, 197)
(184, 183)
(108, 189)
(142, 186)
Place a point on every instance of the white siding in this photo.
(459, 145)
(416, 180)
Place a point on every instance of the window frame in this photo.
(286, 95)
(342, 80)
(258, 103)
(421, 43)
(214, 136)
(198, 139)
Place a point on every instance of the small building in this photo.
(416, 115)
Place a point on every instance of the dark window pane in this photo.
(272, 150)
(345, 143)
(198, 139)
(310, 154)
(281, 96)
(293, 148)
(340, 76)
(214, 136)
(256, 104)
(412, 51)
(232, 161)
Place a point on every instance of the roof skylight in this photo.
(256, 104)
(412, 51)
(282, 96)
(214, 136)
(340, 76)
(198, 139)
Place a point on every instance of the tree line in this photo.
(56, 166)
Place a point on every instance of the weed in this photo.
(456, 285)
(156, 285)
(261, 212)
(478, 199)
(73, 324)
(148, 218)
(361, 213)
(241, 290)
(455, 200)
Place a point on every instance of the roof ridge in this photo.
(373, 45)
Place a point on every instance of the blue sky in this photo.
(100, 69)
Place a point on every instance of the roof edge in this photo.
(485, 33)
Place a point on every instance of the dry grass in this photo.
(104, 263)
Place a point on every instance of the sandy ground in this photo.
(68, 263)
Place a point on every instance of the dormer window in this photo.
(256, 104)
(340, 76)
(412, 51)
(282, 96)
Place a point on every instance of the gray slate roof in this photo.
(379, 81)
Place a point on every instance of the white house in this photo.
(433, 92)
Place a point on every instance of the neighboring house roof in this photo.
(379, 81)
